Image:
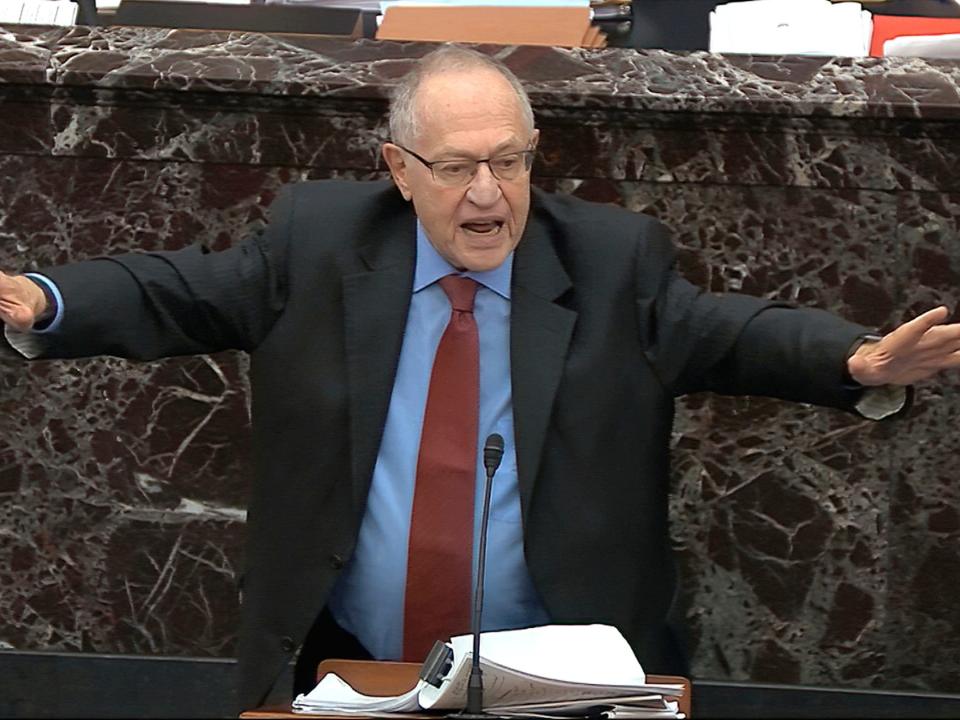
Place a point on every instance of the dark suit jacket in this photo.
(604, 336)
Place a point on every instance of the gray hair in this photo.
(404, 123)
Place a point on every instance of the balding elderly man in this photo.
(394, 326)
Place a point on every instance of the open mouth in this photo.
(487, 228)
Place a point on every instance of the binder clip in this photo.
(438, 664)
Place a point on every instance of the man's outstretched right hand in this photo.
(22, 302)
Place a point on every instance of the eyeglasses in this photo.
(452, 173)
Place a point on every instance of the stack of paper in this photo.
(564, 23)
(38, 12)
(550, 671)
(791, 27)
(888, 28)
(929, 46)
(367, 6)
(110, 5)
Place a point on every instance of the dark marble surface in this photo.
(815, 547)
(698, 82)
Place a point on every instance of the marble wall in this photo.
(815, 547)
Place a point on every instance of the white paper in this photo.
(333, 694)
(66, 13)
(795, 27)
(929, 46)
(38, 12)
(106, 4)
(549, 670)
(596, 654)
(544, 664)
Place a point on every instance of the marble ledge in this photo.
(616, 79)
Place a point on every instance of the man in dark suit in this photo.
(586, 335)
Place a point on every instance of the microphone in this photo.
(492, 455)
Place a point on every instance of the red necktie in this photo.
(440, 552)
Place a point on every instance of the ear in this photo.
(397, 163)
(535, 138)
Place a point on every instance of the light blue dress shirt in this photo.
(367, 601)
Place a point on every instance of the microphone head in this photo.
(492, 452)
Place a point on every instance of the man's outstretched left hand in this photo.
(914, 351)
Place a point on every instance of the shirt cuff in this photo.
(876, 403)
(29, 344)
(50, 289)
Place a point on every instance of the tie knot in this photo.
(461, 291)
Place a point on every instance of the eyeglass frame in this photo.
(527, 154)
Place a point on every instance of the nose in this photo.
(484, 188)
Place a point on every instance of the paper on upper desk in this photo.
(928, 46)
(38, 12)
(333, 694)
(66, 13)
(367, 6)
(799, 27)
(116, 3)
(776, 27)
(44, 12)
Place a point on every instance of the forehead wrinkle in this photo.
(448, 118)
(452, 151)
(447, 103)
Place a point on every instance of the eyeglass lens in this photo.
(503, 167)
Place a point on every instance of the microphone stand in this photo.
(492, 454)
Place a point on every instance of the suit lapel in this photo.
(376, 303)
(540, 332)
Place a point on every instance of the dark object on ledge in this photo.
(918, 8)
(299, 19)
(87, 12)
(668, 25)
(685, 24)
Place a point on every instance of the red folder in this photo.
(887, 27)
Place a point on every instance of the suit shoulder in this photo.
(324, 205)
(600, 230)
(336, 193)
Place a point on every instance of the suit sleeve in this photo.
(145, 306)
(737, 344)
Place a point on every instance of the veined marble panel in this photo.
(815, 547)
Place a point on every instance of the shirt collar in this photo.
(431, 266)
